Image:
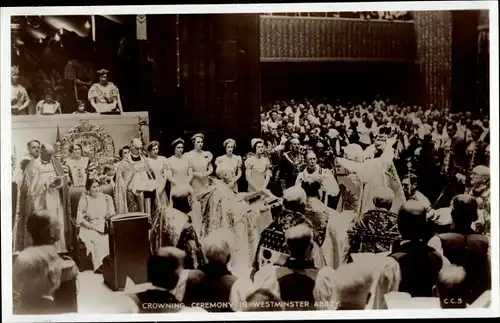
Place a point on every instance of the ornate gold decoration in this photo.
(97, 144)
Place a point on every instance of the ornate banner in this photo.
(318, 38)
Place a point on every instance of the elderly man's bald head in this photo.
(136, 143)
(452, 285)
(412, 220)
(47, 151)
(480, 176)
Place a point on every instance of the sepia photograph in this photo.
(306, 158)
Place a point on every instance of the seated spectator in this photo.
(296, 279)
(377, 230)
(81, 108)
(419, 263)
(213, 281)
(48, 106)
(165, 268)
(451, 287)
(94, 208)
(351, 284)
(464, 247)
(262, 300)
(37, 274)
(44, 228)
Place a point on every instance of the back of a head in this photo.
(40, 226)
(259, 300)
(299, 240)
(352, 285)
(412, 221)
(37, 271)
(294, 199)
(383, 198)
(311, 188)
(464, 210)
(164, 267)
(217, 247)
(451, 287)
(180, 198)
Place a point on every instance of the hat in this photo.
(177, 141)
(228, 141)
(255, 141)
(102, 71)
(198, 135)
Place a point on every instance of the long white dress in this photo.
(159, 165)
(180, 169)
(200, 162)
(95, 210)
(258, 168)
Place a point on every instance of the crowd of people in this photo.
(330, 187)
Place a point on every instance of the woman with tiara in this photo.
(258, 168)
(179, 168)
(231, 162)
(159, 165)
(201, 162)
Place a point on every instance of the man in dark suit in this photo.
(212, 283)
(164, 268)
(295, 279)
(462, 246)
(451, 287)
(419, 264)
(44, 229)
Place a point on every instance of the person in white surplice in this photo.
(375, 173)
